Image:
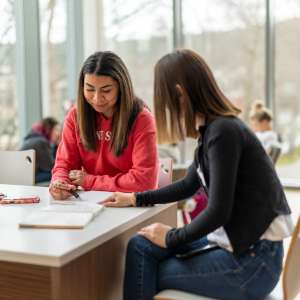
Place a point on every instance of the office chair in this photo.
(274, 154)
(17, 167)
(165, 172)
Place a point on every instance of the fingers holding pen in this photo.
(60, 190)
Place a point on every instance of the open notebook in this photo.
(71, 216)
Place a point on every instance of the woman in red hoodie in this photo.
(109, 139)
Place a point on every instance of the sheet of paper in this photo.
(75, 207)
(85, 197)
(74, 213)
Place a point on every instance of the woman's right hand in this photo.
(119, 199)
(59, 189)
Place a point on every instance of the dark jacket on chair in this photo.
(43, 150)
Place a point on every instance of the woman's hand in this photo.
(77, 176)
(119, 200)
(156, 233)
(59, 189)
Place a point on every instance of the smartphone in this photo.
(197, 251)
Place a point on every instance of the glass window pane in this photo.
(140, 32)
(287, 95)
(53, 21)
(229, 35)
(9, 132)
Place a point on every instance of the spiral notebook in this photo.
(61, 216)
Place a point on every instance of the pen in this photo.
(21, 200)
(75, 194)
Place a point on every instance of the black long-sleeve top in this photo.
(244, 191)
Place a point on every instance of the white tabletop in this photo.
(56, 247)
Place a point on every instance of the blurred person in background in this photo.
(44, 138)
(261, 122)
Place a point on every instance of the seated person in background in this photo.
(261, 122)
(43, 137)
(109, 139)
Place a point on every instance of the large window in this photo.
(53, 20)
(9, 133)
(229, 35)
(140, 32)
(287, 104)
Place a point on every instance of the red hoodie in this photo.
(136, 169)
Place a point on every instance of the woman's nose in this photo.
(98, 98)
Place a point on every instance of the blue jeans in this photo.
(217, 273)
(42, 176)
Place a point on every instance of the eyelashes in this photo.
(105, 92)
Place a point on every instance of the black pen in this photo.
(75, 194)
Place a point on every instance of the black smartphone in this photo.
(197, 251)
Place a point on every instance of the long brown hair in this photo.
(127, 106)
(202, 95)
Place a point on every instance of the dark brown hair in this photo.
(44, 127)
(49, 123)
(260, 112)
(127, 106)
(202, 95)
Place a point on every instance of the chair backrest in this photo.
(275, 153)
(17, 167)
(165, 172)
(291, 271)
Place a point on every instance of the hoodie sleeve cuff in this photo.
(88, 182)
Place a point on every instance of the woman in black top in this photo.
(233, 249)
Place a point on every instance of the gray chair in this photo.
(290, 278)
(274, 154)
(165, 172)
(17, 167)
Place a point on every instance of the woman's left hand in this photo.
(77, 176)
(156, 233)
